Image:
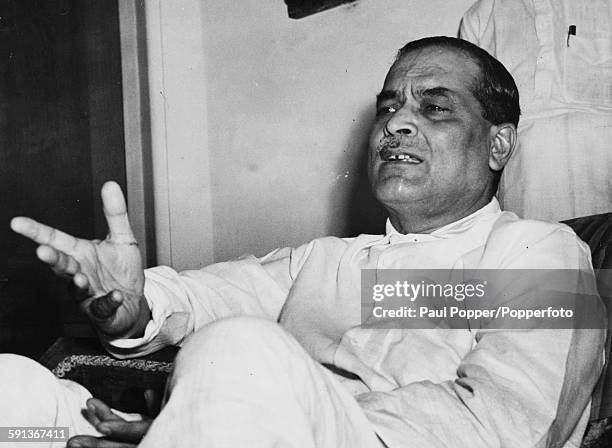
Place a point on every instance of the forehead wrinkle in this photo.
(417, 73)
(417, 65)
(436, 92)
(423, 64)
(425, 87)
(420, 81)
(418, 90)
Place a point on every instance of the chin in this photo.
(397, 191)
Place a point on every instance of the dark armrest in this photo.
(598, 434)
(596, 231)
(119, 382)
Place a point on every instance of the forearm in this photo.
(177, 304)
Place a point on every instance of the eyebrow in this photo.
(387, 95)
(435, 92)
(432, 92)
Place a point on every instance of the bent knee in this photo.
(33, 396)
(24, 383)
(18, 368)
(236, 329)
(235, 337)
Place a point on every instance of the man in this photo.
(445, 127)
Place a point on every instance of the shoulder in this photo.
(335, 247)
(329, 244)
(509, 224)
(536, 244)
(320, 251)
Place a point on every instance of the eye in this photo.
(436, 109)
(383, 110)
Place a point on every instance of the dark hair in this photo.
(496, 91)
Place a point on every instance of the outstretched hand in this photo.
(118, 432)
(109, 271)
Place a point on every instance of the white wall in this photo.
(288, 107)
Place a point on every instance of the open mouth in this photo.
(405, 157)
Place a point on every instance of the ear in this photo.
(502, 140)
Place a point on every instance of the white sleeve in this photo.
(181, 303)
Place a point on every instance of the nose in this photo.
(401, 123)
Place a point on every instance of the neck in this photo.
(426, 220)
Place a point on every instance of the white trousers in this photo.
(30, 395)
(240, 382)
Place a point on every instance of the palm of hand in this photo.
(112, 266)
(109, 271)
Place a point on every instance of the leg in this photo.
(247, 382)
(32, 396)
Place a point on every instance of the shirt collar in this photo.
(459, 226)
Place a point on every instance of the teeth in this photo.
(405, 157)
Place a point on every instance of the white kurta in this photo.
(561, 167)
(418, 388)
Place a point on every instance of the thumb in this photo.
(105, 306)
(115, 212)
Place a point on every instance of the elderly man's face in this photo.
(430, 145)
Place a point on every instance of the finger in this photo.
(81, 281)
(90, 414)
(43, 234)
(115, 211)
(105, 306)
(59, 261)
(101, 410)
(78, 294)
(132, 432)
(96, 442)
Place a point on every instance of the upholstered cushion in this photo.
(598, 434)
(120, 383)
(596, 231)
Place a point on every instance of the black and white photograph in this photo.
(306, 223)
